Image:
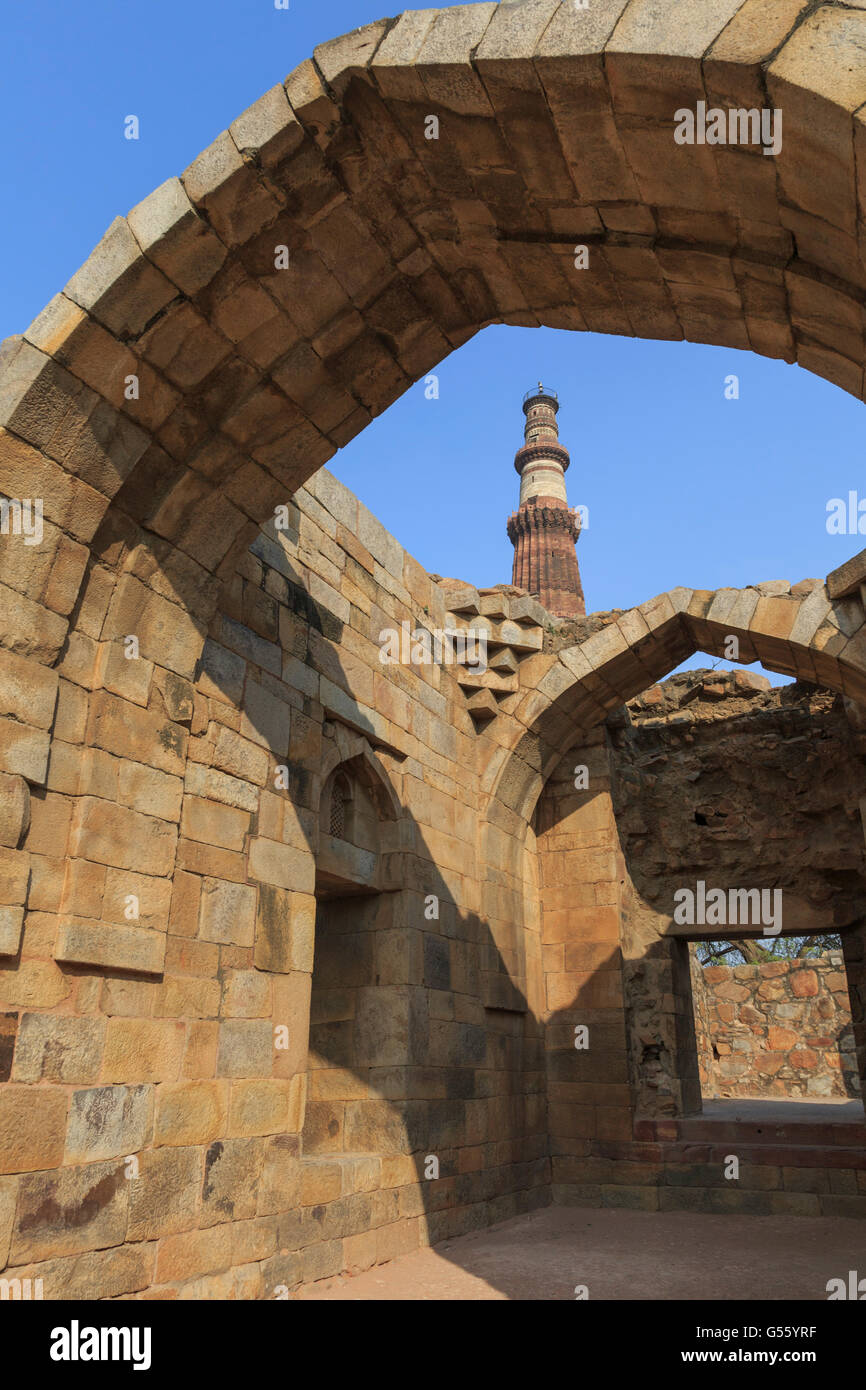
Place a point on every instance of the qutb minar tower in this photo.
(544, 529)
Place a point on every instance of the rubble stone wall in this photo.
(780, 1028)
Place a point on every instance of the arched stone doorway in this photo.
(359, 1011)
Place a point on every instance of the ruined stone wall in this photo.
(172, 1118)
(722, 779)
(780, 1028)
(612, 846)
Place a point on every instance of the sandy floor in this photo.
(620, 1255)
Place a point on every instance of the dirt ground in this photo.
(620, 1255)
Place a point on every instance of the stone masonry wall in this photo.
(780, 1028)
(722, 779)
(167, 1121)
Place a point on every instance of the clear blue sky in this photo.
(683, 486)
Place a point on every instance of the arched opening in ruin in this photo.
(619, 835)
(358, 1005)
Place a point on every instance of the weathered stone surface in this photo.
(190, 1112)
(246, 1048)
(227, 912)
(281, 866)
(125, 948)
(72, 1209)
(59, 1049)
(23, 750)
(11, 923)
(163, 1198)
(107, 1122)
(285, 926)
(32, 1128)
(140, 1049)
(123, 1270)
(14, 811)
(232, 1169)
(27, 692)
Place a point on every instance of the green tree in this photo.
(775, 948)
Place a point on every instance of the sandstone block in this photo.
(118, 285)
(28, 691)
(282, 866)
(213, 823)
(804, 984)
(266, 720)
(115, 835)
(246, 1048)
(124, 676)
(58, 1048)
(201, 1048)
(187, 998)
(107, 1122)
(164, 1196)
(153, 899)
(227, 912)
(246, 994)
(280, 1185)
(8, 1200)
(11, 927)
(73, 1209)
(269, 127)
(142, 735)
(190, 1253)
(190, 1112)
(23, 750)
(285, 930)
(240, 758)
(32, 1128)
(232, 1169)
(321, 1181)
(125, 948)
(266, 1106)
(36, 984)
(236, 202)
(212, 785)
(142, 1049)
(95, 1274)
(172, 234)
(14, 811)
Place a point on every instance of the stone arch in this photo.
(358, 829)
(339, 804)
(797, 631)
(352, 751)
(249, 318)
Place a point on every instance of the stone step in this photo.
(696, 1130)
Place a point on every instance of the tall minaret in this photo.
(544, 529)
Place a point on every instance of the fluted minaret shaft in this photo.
(544, 529)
